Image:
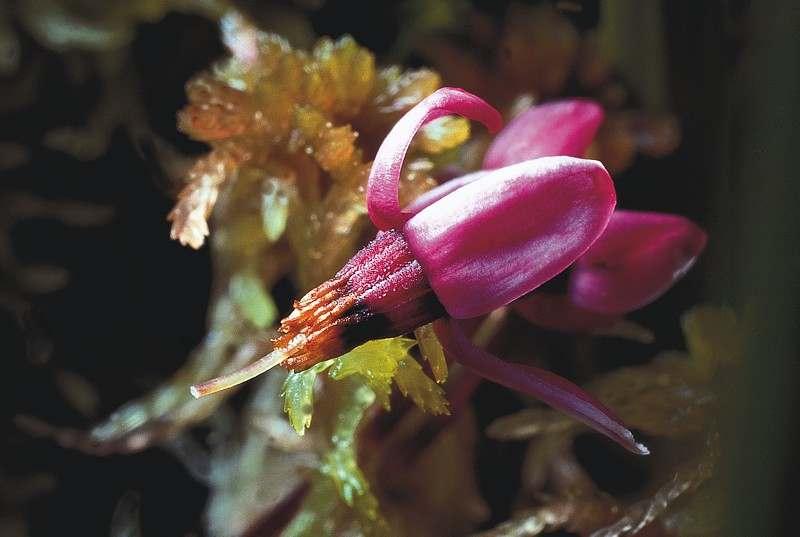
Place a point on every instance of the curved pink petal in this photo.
(548, 387)
(557, 312)
(556, 128)
(382, 188)
(638, 258)
(503, 235)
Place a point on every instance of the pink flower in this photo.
(457, 256)
(636, 260)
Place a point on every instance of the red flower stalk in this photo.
(459, 255)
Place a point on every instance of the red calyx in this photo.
(381, 292)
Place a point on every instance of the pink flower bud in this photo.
(638, 258)
(556, 128)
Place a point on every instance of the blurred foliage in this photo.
(536, 53)
(674, 398)
(94, 37)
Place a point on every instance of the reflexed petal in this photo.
(557, 128)
(382, 188)
(548, 387)
(508, 232)
(638, 258)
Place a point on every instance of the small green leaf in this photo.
(376, 361)
(340, 464)
(298, 396)
(354, 400)
(414, 383)
(432, 351)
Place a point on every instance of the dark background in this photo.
(136, 301)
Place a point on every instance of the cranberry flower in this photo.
(640, 254)
(637, 259)
(467, 252)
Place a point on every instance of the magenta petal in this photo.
(441, 191)
(501, 236)
(557, 312)
(548, 387)
(382, 188)
(557, 128)
(638, 258)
